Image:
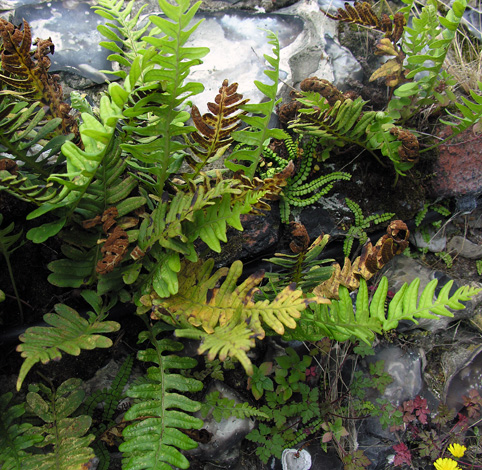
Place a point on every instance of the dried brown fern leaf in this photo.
(26, 73)
(362, 13)
(371, 260)
(214, 129)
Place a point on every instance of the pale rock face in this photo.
(237, 41)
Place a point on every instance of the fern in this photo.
(345, 123)
(357, 230)
(69, 333)
(340, 321)
(229, 316)
(65, 444)
(426, 45)
(15, 438)
(303, 267)
(154, 138)
(22, 125)
(25, 73)
(224, 408)
(202, 212)
(258, 132)
(109, 398)
(214, 129)
(122, 33)
(155, 437)
(471, 112)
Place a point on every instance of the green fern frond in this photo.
(160, 114)
(121, 32)
(20, 187)
(204, 211)
(340, 321)
(304, 268)
(64, 436)
(155, 437)
(471, 112)
(228, 314)
(69, 333)
(426, 44)
(22, 125)
(224, 408)
(357, 230)
(247, 159)
(15, 437)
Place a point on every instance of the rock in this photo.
(237, 42)
(434, 240)
(405, 367)
(345, 66)
(466, 364)
(461, 246)
(458, 168)
(226, 436)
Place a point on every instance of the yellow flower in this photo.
(446, 464)
(457, 450)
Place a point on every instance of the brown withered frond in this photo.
(214, 129)
(371, 260)
(115, 245)
(363, 14)
(26, 72)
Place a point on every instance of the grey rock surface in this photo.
(434, 240)
(461, 246)
(224, 445)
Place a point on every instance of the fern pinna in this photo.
(58, 440)
(154, 439)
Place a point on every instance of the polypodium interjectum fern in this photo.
(362, 13)
(371, 260)
(303, 266)
(214, 129)
(341, 322)
(155, 436)
(346, 123)
(69, 332)
(65, 443)
(15, 437)
(229, 317)
(426, 44)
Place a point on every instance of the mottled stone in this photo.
(466, 364)
(461, 246)
(434, 240)
(458, 169)
(226, 435)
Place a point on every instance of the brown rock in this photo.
(458, 167)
